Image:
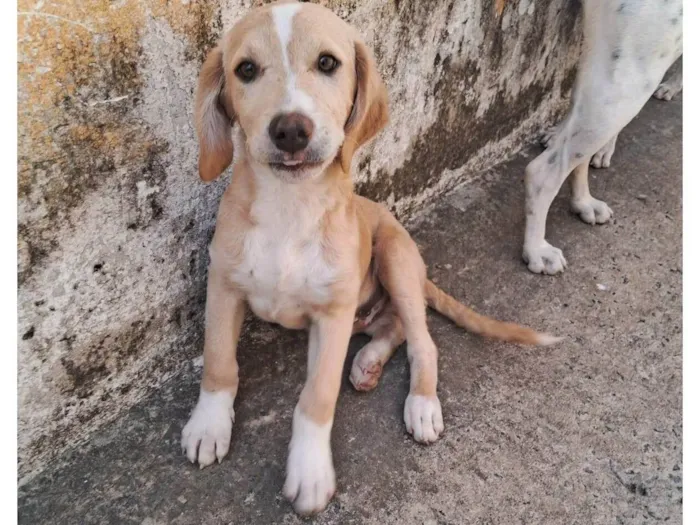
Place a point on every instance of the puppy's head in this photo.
(301, 84)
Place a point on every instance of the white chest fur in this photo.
(284, 270)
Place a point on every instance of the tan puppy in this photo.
(295, 244)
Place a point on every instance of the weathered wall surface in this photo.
(113, 221)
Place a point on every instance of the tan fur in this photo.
(370, 109)
(500, 5)
(300, 248)
(485, 326)
(212, 121)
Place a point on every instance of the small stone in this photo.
(642, 197)
(182, 499)
(601, 287)
(448, 267)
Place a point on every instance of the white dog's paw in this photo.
(667, 90)
(423, 418)
(548, 136)
(603, 157)
(544, 258)
(592, 211)
(310, 482)
(207, 435)
(366, 369)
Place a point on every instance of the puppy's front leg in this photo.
(310, 482)
(207, 435)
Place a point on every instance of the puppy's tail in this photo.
(468, 319)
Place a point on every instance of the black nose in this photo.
(291, 132)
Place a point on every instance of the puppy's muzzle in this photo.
(291, 132)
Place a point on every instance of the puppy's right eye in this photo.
(327, 63)
(247, 71)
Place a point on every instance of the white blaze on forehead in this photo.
(283, 16)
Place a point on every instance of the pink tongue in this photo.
(298, 156)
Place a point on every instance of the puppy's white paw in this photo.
(592, 211)
(667, 90)
(423, 418)
(207, 435)
(603, 157)
(366, 369)
(544, 258)
(310, 482)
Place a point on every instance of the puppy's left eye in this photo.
(327, 64)
(247, 71)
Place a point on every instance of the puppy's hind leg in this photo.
(387, 334)
(402, 273)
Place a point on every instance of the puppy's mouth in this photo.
(297, 162)
(294, 165)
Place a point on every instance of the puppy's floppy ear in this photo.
(213, 118)
(370, 110)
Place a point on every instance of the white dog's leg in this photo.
(542, 182)
(604, 155)
(673, 85)
(589, 209)
(600, 160)
(627, 49)
(544, 176)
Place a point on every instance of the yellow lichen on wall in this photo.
(87, 50)
(79, 82)
(62, 45)
(193, 20)
(82, 77)
(74, 56)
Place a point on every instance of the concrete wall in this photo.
(113, 221)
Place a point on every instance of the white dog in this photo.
(628, 47)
